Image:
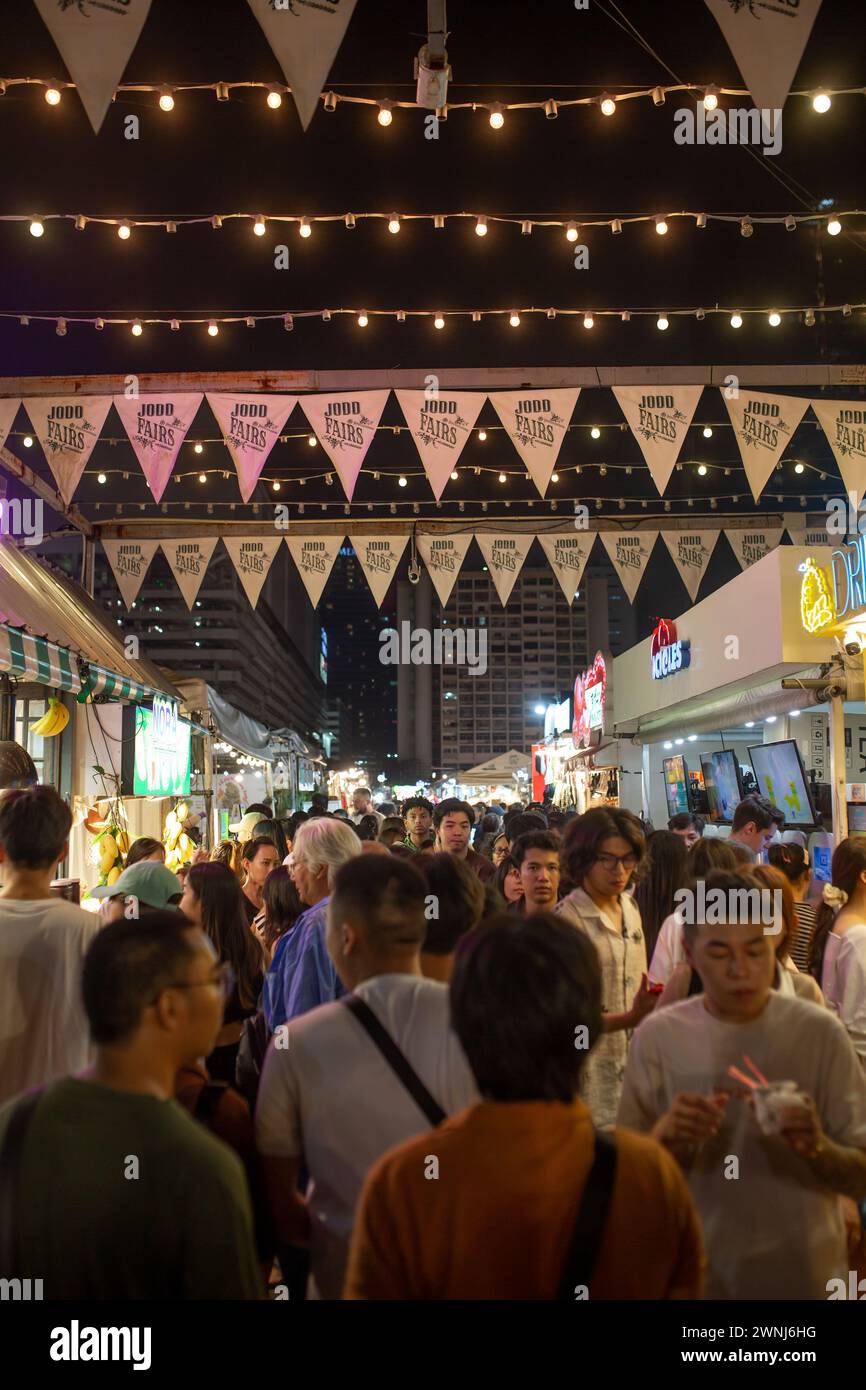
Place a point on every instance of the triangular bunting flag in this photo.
(130, 561)
(629, 553)
(763, 426)
(443, 557)
(844, 423)
(305, 36)
(67, 427)
(345, 426)
(751, 544)
(440, 425)
(157, 426)
(188, 561)
(659, 420)
(314, 557)
(252, 558)
(379, 557)
(95, 39)
(536, 423)
(690, 552)
(801, 533)
(251, 426)
(504, 557)
(8, 411)
(767, 39)
(567, 553)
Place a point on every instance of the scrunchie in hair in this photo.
(835, 897)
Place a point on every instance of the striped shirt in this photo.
(802, 941)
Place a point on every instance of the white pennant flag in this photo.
(767, 39)
(440, 423)
(659, 420)
(252, 558)
(130, 561)
(691, 552)
(567, 553)
(844, 423)
(629, 553)
(8, 411)
(345, 426)
(443, 557)
(305, 36)
(536, 423)
(504, 557)
(314, 557)
(801, 533)
(67, 427)
(188, 561)
(763, 426)
(95, 39)
(749, 544)
(251, 426)
(379, 557)
(157, 426)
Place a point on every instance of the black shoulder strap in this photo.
(591, 1220)
(209, 1098)
(395, 1059)
(10, 1166)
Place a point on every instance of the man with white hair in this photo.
(302, 974)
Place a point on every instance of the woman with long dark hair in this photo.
(212, 899)
(507, 883)
(281, 908)
(793, 861)
(838, 954)
(664, 875)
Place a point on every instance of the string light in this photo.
(439, 321)
(137, 329)
(312, 441)
(661, 225)
(198, 448)
(481, 226)
(514, 319)
(124, 231)
(52, 96)
(362, 320)
(304, 227)
(595, 432)
(661, 323)
(554, 477)
(401, 481)
(497, 115)
(454, 476)
(821, 103)
(502, 478)
(166, 100)
(213, 328)
(711, 98)
(572, 231)
(482, 435)
(28, 441)
(102, 478)
(746, 227)
(260, 226)
(275, 98)
(702, 470)
(36, 227)
(588, 321)
(202, 477)
(386, 115)
(834, 226)
(275, 485)
(736, 320)
(774, 319)
(608, 105)
(394, 224)
(799, 468)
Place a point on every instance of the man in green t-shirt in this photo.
(120, 1193)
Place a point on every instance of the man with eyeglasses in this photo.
(602, 851)
(119, 1194)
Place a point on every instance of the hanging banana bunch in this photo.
(53, 721)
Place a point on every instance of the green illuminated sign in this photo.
(162, 751)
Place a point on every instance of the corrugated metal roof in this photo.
(46, 603)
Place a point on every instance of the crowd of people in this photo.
(435, 1051)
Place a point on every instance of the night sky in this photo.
(207, 157)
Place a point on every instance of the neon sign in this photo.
(817, 609)
(667, 654)
(589, 693)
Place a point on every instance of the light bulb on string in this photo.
(212, 328)
(305, 227)
(711, 98)
(588, 321)
(52, 96)
(702, 470)
(595, 432)
(275, 97)
(482, 435)
(834, 227)
(736, 320)
(312, 441)
(102, 478)
(821, 103)
(481, 226)
(202, 477)
(401, 481)
(27, 441)
(36, 227)
(198, 448)
(124, 231)
(514, 319)
(386, 115)
(137, 328)
(497, 116)
(799, 468)
(662, 322)
(774, 319)
(166, 100)
(607, 105)
(438, 321)
(393, 224)
(661, 225)
(502, 478)
(362, 320)
(707, 432)
(260, 226)
(572, 231)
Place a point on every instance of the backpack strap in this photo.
(395, 1058)
(590, 1221)
(10, 1167)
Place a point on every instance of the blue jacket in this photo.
(301, 975)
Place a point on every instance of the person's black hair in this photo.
(282, 905)
(295, 819)
(753, 808)
(583, 836)
(533, 839)
(777, 816)
(789, 859)
(523, 824)
(142, 849)
(452, 806)
(363, 791)
(520, 990)
(225, 922)
(127, 966)
(261, 808)
(34, 826)
(665, 874)
(273, 830)
(384, 897)
(458, 898)
(367, 827)
(391, 830)
(503, 869)
(417, 801)
(387, 809)
(731, 883)
(252, 847)
(687, 820)
(489, 823)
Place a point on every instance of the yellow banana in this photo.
(53, 721)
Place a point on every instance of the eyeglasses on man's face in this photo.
(611, 862)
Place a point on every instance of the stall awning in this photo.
(730, 709)
(498, 769)
(52, 632)
(238, 729)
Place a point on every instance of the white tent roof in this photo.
(497, 769)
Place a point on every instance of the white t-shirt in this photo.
(668, 950)
(331, 1096)
(843, 980)
(774, 1231)
(43, 1030)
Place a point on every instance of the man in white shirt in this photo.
(328, 1097)
(767, 1202)
(43, 940)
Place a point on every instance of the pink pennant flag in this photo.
(251, 426)
(345, 426)
(157, 426)
(67, 427)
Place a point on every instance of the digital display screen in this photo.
(675, 784)
(710, 785)
(727, 783)
(781, 779)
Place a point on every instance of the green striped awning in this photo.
(37, 659)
